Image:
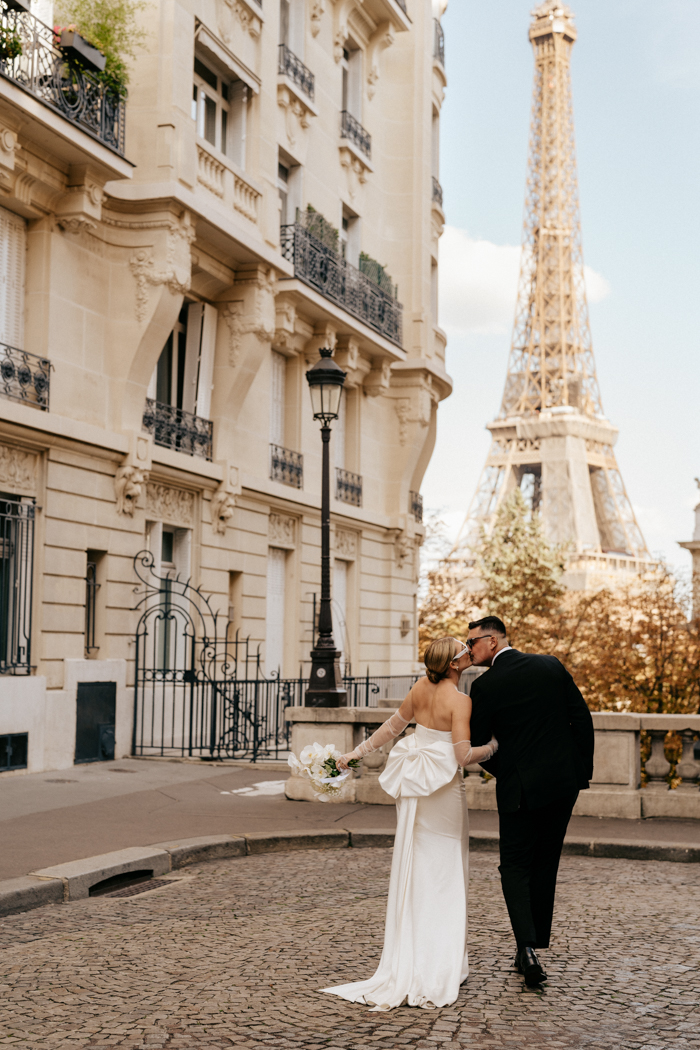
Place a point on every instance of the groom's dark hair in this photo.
(490, 623)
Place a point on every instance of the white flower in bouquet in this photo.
(318, 763)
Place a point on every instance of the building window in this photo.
(16, 571)
(340, 611)
(274, 611)
(338, 432)
(350, 228)
(351, 65)
(13, 751)
(289, 188)
(93, 585)
(278, 392)
(219, 107)
(13, 254)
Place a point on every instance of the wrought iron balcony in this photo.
(43, 70)
(352, 130)
(438, 43)
(286, 466)
(437, 192)
(416, 505)
(182, 431)
(348, 487)
(290, 66)
(24, 377)
(328, 273)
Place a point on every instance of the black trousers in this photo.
(531, 841)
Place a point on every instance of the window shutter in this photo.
(200, 347)
(13, 251)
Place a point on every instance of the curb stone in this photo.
(72, 881)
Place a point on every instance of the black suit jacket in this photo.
(544, 729)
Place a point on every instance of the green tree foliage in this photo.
(112, 27)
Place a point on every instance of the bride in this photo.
(424, 959)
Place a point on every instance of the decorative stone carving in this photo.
(8, 148)
(232, 314)
(378, 379)
(355, 170)
(128, 486)
(176, 506)
(324, 335)
(177, 272)
(345, 544)
(223, 502)
(285, 320)
(417, 408)
(76, 224)
(282, 531)
(404, 548)
(296, 114)
(228, 10)
(317, 10)
(18, 469)
(382, 38)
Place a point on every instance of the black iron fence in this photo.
(201, 692)
(175, 428)
(323, 269)
(351, 129)
(24, 377)
(286, 466)
(348, 487)
(290, 66)
(29, 56)
(16, 572)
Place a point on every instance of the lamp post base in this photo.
(326, 682)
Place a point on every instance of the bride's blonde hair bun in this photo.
(438, 656)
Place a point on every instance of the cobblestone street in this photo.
(233, 955)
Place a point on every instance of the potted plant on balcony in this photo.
(10, 43)
(110, 27)
(77, 49)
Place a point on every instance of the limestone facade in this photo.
(176, 288)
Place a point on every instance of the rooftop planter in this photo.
(76, 49)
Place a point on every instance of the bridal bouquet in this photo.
(318, 763)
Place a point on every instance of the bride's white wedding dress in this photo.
(424, 960)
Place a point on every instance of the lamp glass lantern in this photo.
(325, 380)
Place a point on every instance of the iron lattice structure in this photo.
(550, 437)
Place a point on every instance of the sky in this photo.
(636, 91)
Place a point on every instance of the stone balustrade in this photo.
(219, 175)
(616, 789)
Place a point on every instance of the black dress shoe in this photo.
(527, 963)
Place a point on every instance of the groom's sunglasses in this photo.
(471, 642)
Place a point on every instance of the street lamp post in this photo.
(325, 381)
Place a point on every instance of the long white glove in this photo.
(393, 726)
(467, 755)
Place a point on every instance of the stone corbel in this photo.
(406, 541)
(297, 112)
(348, 356)
(8, 148)
(382, 38)
(246, 18)
(223, 502)
(343, 9)
(80, 208)
(324, 335)
(317, 12)
(378, 379)
(132, 474)
(285, 321)
(416, 407)
(356, 169)
(176, 274)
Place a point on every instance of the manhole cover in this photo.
(141, 887)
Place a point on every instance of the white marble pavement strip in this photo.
(234, 957)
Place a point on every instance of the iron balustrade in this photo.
(438, 42)
(42, 69)
(16, 578)
(348, 487)
(24, 377)
(335, 278)
(286, 466)
(416, 505)
(437, 192)
(352, 130)
(290, 66)
(177, 429)
(91, 589)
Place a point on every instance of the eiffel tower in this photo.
(551, 438)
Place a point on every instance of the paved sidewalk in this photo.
(52, 818)
(234, 955)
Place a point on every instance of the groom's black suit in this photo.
(533, 707)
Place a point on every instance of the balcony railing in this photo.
(290, 66)
(438, 43)
(24, 377)
(416, 505)
(328, 273)
(44, 71)
(182, 431)
(437, 192)
(286, 466)
(352, 130)
(348, 487)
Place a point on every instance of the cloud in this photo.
(479, 284)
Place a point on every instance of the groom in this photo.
(545, 757)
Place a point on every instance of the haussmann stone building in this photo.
(171, 266)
